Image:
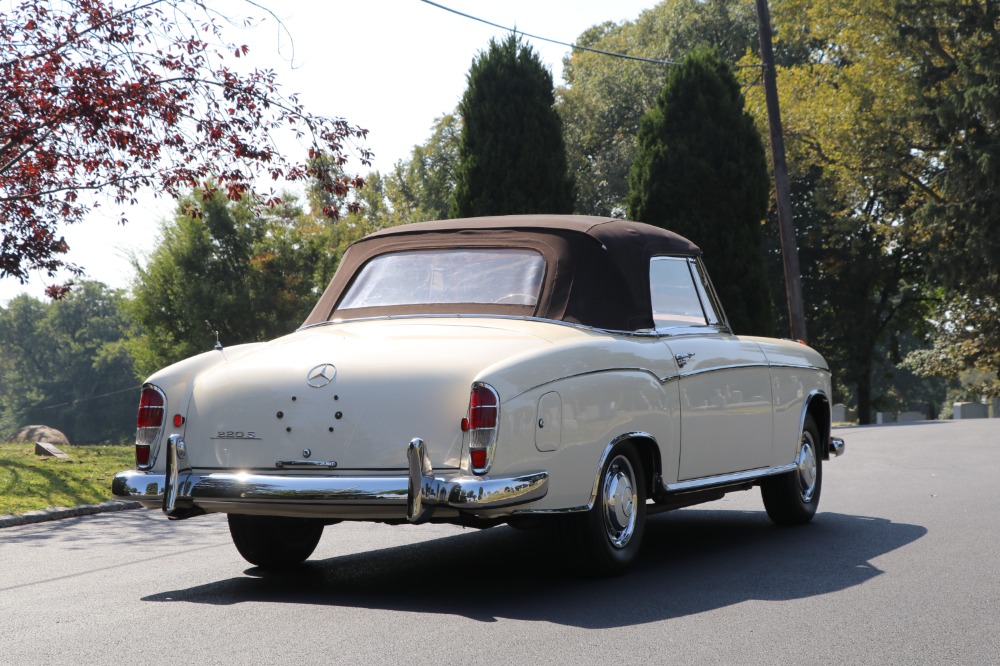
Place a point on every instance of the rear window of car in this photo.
(448, 276)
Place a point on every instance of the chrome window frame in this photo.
(711, 308)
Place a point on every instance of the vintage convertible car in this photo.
(562, 371)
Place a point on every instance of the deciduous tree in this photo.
(110, 97)
(421, 188)
(66, 365)
(221, 268)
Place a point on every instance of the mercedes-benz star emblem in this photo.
(321, 375)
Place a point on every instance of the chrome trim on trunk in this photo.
(305, 464)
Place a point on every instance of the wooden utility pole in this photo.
(789, 246)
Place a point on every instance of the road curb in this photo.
(44, 515)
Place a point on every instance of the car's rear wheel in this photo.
(792, 498)
(605, 540)
(274, 542)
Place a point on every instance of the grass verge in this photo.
(29, 482)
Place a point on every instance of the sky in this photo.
(389, 66)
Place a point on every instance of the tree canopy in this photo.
(66, 365)
(220, 268)
(511, 153)
(896, 104)
(421, 188)
(109, 97)
(603, 98)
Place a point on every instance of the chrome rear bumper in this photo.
(182, 492)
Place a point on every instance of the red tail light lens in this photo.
(148, 426)
(150, 409)
(478, 458)
(482, 408)
(481, 424)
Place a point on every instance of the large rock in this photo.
(41, 433)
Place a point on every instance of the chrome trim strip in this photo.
(736, 366)
(642, 333)
(551, 512)
(682, 375)
(799, 366)
(719, 368)
(725, 479)
(694, 329)
(305, 464)
(587, 373)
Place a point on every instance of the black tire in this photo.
(273, 542)
(605, 540)
(792, 498)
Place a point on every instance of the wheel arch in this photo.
(818, 407)
(648, 450)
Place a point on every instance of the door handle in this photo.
(682, 359)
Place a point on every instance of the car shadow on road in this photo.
(692, 561)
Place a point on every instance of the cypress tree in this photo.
(512, 158)
(700, 171)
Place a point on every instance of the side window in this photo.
(712, 309)
(675, 293)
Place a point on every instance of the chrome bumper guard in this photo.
(180, 488)
(837, 447)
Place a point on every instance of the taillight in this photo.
(481, 424)
(148, 424)
(150, 408)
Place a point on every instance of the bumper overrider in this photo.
(184, 493)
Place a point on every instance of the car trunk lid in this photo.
(350, 395)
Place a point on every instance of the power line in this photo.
(553, 41)
(93, 397)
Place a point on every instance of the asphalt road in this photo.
(901, 566)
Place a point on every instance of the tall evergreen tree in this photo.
(512, 158)
(700, 170)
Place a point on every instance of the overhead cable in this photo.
(553, 41)
(93, 397)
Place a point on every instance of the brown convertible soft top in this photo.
(597, 268)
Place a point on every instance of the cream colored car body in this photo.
(562, 371)
(566, 394)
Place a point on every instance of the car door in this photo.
(724, 380)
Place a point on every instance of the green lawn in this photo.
(29, 482)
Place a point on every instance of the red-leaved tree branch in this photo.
(106, 97)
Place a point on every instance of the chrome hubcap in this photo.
(806, 463)
(619, 501)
